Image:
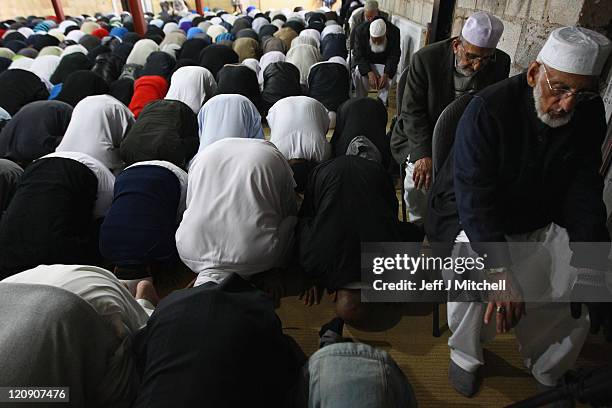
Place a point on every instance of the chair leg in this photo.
(403, 203)
(435, 317)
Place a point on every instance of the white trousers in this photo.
(549, 338)
(415, 199)
(362, 85)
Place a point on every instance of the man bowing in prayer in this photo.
(526, 169)
(438, 74)
(377, 53)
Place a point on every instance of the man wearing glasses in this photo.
(525, 166)
(438, 74)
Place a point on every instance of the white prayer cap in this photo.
(378, 28)
(482, 30)
(575, 50)
(216, 20)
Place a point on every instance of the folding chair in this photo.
(442, 143)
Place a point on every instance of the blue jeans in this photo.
(353, 375)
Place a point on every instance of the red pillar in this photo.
(199, 7)
(59, 11)
(137, 16)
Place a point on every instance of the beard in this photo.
(378, 48)
(547, 118)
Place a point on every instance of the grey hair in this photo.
(370, 5)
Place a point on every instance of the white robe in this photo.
(267, 59)
(298, 127)
(241, 210)
(303, 56)
(192, 85)
(98, 287)
(98, 125)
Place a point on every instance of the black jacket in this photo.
(215, 346)
(513, 174)
(364, 55)
(429, 89)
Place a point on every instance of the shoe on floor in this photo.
(464, 382)
(558, 404)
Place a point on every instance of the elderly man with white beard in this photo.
(377, 53)
(525, 167)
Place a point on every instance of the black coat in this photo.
(513, 174)
(329, 83)
(364, 56)
(429, 89)
(165, 130)
(19, 87)
(281, 79)
(348, 200)
(227, 350)
(49, 220)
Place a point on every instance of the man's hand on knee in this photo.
(422, 173)
(373, 80)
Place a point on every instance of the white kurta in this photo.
(241, 210)
(192, 85)
(98, 125)
(98, 287)
(549, 338)
(298, 126)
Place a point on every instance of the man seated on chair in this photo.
(438, 74)
(526, 165)
(377, 53)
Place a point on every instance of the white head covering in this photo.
(44, 67)
(215, 30)
(204, 26)
(278, 23)
(228, 115)
(253, 64)
(57, 33)
(482, 30)
(216, 20)
(170, 27)
(75, 35)
(71, 49)
(98, 125)
(332, 29)
(192, 85)
(98, 287)
(378, 28)
(576, 50)
(25, 31)
(65, 24)
(303, 57)
(22, 63)
(267, 59)
(229, 18)
(299, 40)
(298, 126)
(141, 51)
(157, 22)
(312, 33)
(258, 23)
(241, 210)
(339, 60)
(106, 180)
(6, 53)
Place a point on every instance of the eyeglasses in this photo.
(472, 58)
(562, 93)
